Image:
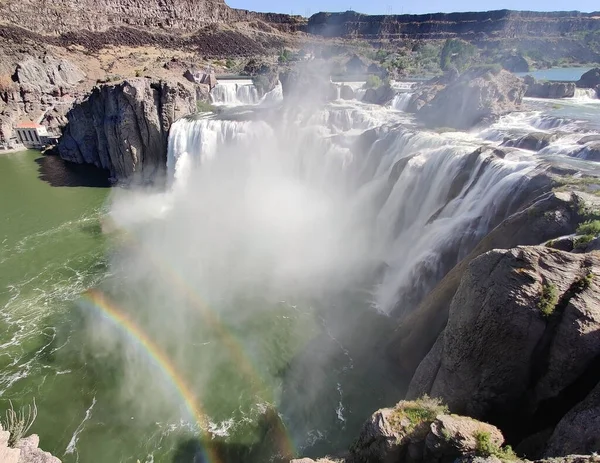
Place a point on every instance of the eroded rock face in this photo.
(551, 216)
(124, 127)
(42, 89)
(477, 95)
(523, 327)
(532, 141)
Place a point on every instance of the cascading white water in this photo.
(401, 100)
(358, 209)
(583, 94)
(234, 93)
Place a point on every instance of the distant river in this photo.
(562, 74)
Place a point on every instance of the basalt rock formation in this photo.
(477, 95)
(39, 89)
(124, 127)
(496, 24)
(590, 79)
(537, 89)
(62, 16)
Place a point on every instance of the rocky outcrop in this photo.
(590, 79)
(346, 92)
(523, 325)
(25, 450)
(577, 431)
(515, 63)
(477, 95)
(532, 141)
(548, 89)
(62, 16)
(551, 216)
(124, 127)
(419, 431)
(41, 89)
(472, 25)
(381, 95)
(308, 82)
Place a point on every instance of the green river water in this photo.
(103, 398)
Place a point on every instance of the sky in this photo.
(309, 7)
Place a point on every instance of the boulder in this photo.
(515, 63)
(381, 95)
(452, 435)
(532, 141)
(548, 89)
(307, 82)
(577, 432)
(419, 431)
(590, 79)
(124, 127)
(477, 95)
(523, 326)
(346, 93)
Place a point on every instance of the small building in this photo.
(31, 134)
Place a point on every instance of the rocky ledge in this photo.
(124, 127)
(424, 431)
(24, 451)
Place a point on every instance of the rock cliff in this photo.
(478, 25)
(39, 88)
(64, 16)
(124, 127)
(476, 95)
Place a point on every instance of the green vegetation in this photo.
(584, 282)
(204, 107)
(374, 82)
(417, 412)
(590, 227)
(548, 299)
(587, 231)
(457, 54)
(138, 73)
(285, 56)
(19, 423)
(230, 63)
(486, 448)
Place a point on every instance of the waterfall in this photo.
(583, 94)
(401, 100)
(381, 198)
(234, 93)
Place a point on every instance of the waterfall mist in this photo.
(285, 247)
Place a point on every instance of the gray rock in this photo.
(549, 89)
(452, 435)
(346, 92)
(124, 127)
(475, 96)
(577, 432)
(7, 455)
(590, 79)
(381, 95)
(515, 63)
(532, 141)
(551, 216)
(497, 336)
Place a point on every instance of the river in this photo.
(235, 316)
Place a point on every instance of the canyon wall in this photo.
(493, 24)
(63, 16)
